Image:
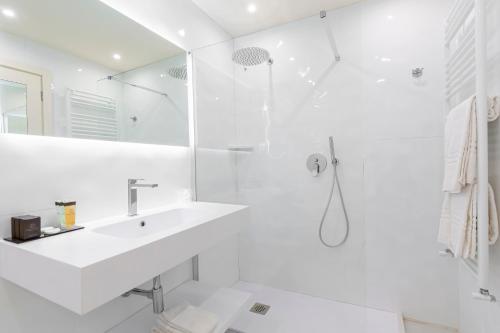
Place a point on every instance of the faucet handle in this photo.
(134, 180)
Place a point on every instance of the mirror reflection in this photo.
(13, 107)
(92, 74)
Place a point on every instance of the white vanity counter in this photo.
(84, 269)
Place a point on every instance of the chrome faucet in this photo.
(132, 194)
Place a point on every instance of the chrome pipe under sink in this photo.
(155, 294)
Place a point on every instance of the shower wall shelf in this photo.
(465, 42)
(240, 148)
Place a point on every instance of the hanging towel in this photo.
(460, 150)
(186, 319)
(494, 108)
(458, 223)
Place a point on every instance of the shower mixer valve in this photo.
(316, 164)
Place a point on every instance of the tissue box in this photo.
(26, 227)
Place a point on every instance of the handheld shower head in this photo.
(332, 150)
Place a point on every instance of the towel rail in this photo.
(455, 22)
(92, 116)
(465, 41)
(482, 153)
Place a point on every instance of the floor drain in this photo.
(260, 308)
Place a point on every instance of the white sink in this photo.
(150, 224)
(84, 269)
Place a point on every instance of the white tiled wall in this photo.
(388, 133)
(403, 161)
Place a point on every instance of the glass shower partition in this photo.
(256, 125)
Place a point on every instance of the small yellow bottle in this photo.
(69, 212)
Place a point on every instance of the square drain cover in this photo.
(260, 308)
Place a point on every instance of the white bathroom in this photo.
(249, 166)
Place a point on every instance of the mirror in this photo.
(91, 73)
(13, 99)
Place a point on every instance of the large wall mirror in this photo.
(80, 69)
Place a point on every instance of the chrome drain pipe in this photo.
(155, 294)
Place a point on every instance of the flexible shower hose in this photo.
(320, 232)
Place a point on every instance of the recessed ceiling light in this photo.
(117, 56)
(8, 13)
(251, 8)
(291, 59)
(79, 70)
(182, 32)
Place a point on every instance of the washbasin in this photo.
(142, 226)
(115, 254)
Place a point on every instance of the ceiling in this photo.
(88, 29)
(234, 18)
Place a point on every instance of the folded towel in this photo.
(460, 147)
(494, 108)
(458, 223)
(186, 319)
(461, 143)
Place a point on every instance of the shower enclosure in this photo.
(266, 101)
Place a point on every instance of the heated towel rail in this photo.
(465, 41)
(91, 116)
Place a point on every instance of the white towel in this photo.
(186, 319)
(458, 224)
(460, 147)
(494, 108)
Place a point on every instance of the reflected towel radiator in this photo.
(91, 116)
(465, 41)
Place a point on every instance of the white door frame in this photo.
(46, 127)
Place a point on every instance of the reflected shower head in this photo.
(251, 56)
(179, 72)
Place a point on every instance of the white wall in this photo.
(475, 314)
(388, 134)
(403, 162)
(38, 170)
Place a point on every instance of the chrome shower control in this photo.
(316, 164)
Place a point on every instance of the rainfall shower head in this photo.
(179, 72)
(251, 56)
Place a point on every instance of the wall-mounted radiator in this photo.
(91, 116)
(465, 41)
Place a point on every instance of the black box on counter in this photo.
(26, 227)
